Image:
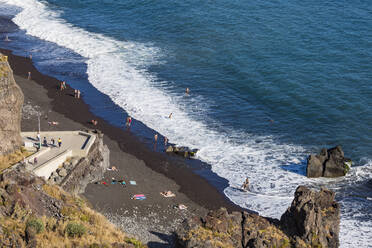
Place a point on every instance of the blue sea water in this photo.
(271, 81)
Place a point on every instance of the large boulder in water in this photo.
(314, 217)
(328, 163)
(182, 151)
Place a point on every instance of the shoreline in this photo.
(154, 171)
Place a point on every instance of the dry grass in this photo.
(99, 229)
(203, 234)
(13, 158)
(4, 69)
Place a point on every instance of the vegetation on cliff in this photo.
(36, 214)
(10, 159)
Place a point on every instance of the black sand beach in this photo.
(152, 220)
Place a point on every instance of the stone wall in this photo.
(11, 101)
(88, 169)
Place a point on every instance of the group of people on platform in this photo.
(45, 142)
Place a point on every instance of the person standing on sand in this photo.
(59, 142)
(165, 141)
(29, 75)
(128, 122)
(78, 93)
(155, 141)
(75, 93)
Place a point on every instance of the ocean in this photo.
(270, 82)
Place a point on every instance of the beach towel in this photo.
(121, 182)
(139, 197)
(133, 182)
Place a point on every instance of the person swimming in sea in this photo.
(245, 185)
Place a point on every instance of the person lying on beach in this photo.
(167, 194)
(113, 168)
(53, 122)
(181, 207)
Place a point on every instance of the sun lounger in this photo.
(132, 182)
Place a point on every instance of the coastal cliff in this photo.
(34, 213)
(11, 101)
(312, 220)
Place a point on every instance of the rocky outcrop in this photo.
(328, 163)
(33, 212)
(76, 174)
(11, 101)
(182, 151)
(313, 217)
(311, 221)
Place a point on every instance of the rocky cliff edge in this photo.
(312, 220)
(11, 101)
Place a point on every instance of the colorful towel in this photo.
(133, 182)
(139, 197)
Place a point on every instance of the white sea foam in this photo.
(118, 69)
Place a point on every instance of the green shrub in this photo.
(74, 229)
(134, 242)
(35, 223)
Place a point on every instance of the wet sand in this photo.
(153, 219)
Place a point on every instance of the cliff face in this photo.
(88, 169)
(11, 101)
(312, 221)
(36, 214)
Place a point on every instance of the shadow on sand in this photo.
(169, 240)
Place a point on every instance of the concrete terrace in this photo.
(49, 158)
